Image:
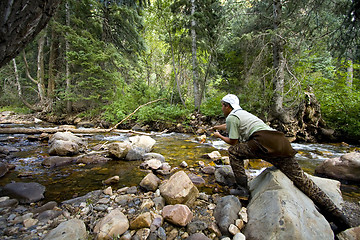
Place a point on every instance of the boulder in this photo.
(224, 175)
(71, 229)
(65, 144)
(179, 189)
(145, 142)
(25, 192)
(92, 159)
(150, 182)
(142, 221)
(178, 214)
(3, 169)
(63, 148)
(119, 150)
(150, 156)
(135, 153)
(346, 167)
(279, 210)
(113, 224)
(57, 161)
(350, 234)
(66, 136)
(226, 212)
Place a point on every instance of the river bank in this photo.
(23, 221)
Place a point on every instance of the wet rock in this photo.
(156, 156)
(152, 164)
(66, 136)
(179, 189)
(215, 155)
(150, 182)
(279, 208)
(48, 215)
(65, 144)
(135, 153)
(71, 229)
(91, 196)
(7, 149)
(47, 206)
(208, 170)
(198, 236)
(57, 161)
(226, 212)
(347, 167)
(3, 169)
(178, 214)
(7, 202)
(92, 159)
(224, 175)
(112, 180)
(197, 180)
(63, 148)
(113, 224)
(25, 192)
(119, 150)
(144, 142)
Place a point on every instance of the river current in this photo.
(66, 182)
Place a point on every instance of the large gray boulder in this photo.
(25, 192)
(65, 144)
(279, 210)
(346, 167)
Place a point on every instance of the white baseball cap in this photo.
(233, 100)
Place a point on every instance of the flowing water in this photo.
(74, 180)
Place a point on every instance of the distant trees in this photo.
(108, 57)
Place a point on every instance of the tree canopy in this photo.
(105, 58)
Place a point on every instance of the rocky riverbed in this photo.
(169, 203)
(174, 209)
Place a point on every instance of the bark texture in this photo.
(20, 22)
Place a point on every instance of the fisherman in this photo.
(251, 138)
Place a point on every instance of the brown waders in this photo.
(273, 147)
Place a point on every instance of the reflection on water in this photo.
(74, 180)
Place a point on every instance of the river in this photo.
(66, 182)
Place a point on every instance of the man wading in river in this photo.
(251, 138)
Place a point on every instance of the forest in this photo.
(101, 60)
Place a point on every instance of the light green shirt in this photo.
(241, 124)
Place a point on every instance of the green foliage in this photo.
(20, 110)
(212, 106)
(340, 103)
(163, 112)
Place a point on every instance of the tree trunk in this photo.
(41, 70)
(279, 67)
(19, 88)
(174, 67)
(54, 53)
(350, 73)
(20, 22)
(67, 65)
(197, 96)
